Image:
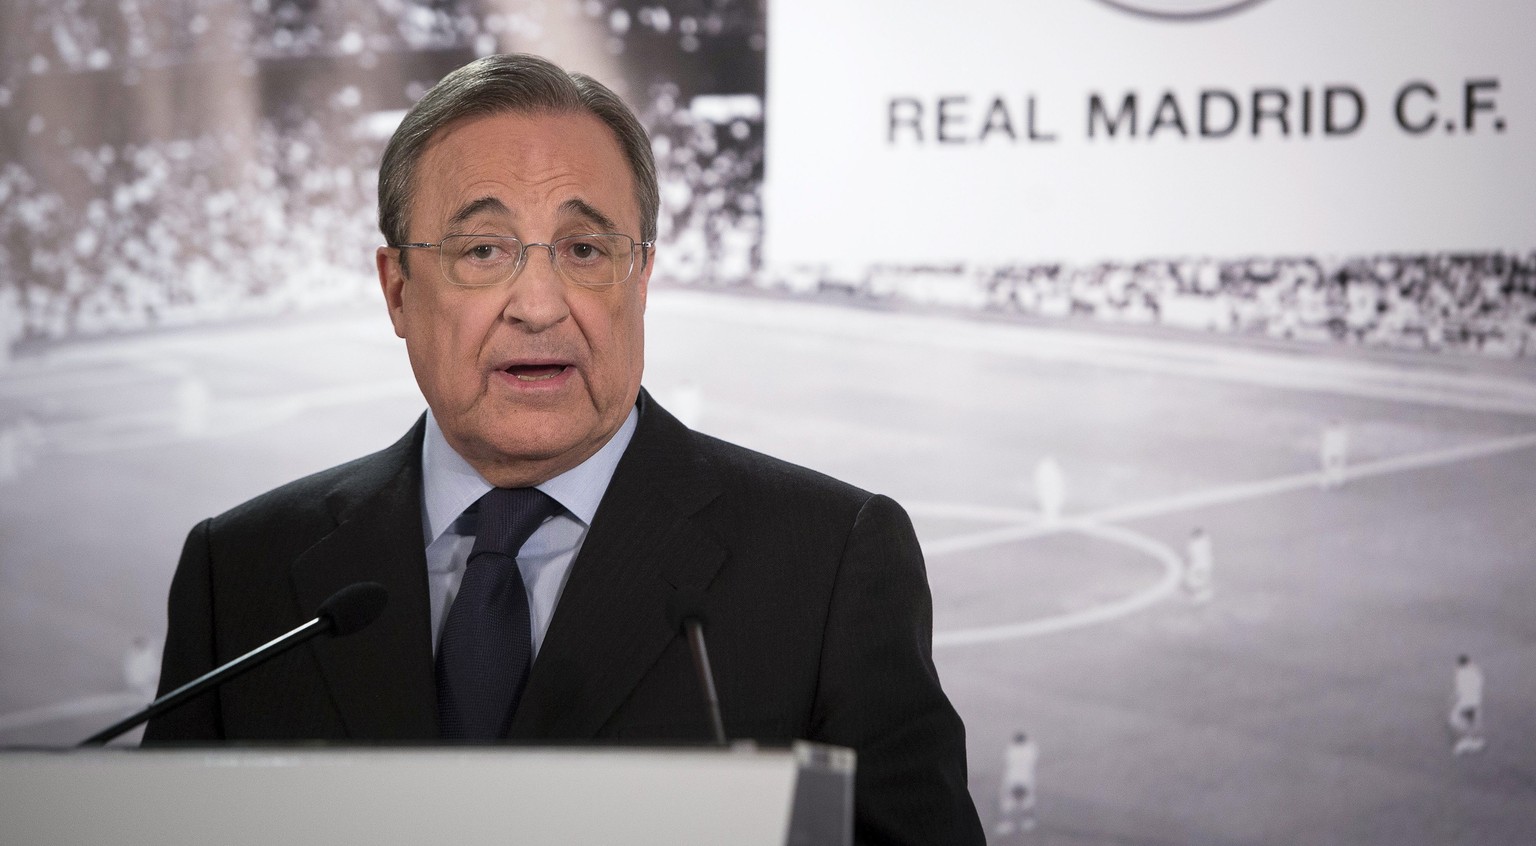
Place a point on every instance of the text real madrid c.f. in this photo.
(1213, 113)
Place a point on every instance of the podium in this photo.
(800, 796)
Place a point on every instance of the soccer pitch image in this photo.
(1221, 583)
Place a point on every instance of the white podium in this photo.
(802, 796)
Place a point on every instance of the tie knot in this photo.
(508, 516)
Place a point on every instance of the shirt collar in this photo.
(450, 484)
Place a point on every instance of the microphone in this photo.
(686, 611)
(348, 610)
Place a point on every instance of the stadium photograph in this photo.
(1231, 542)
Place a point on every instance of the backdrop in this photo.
(1196, 336)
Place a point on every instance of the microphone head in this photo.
(354, 607)
(687, 603)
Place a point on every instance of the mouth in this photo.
(535, 372)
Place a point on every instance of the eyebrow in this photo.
(476, 207)
(575, 206)
(588, 211)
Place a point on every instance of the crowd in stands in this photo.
(123, 35)
(1476, 302)
(111, 234)
(186, 231)
(206, 228)
(709, 160)
(225, 221)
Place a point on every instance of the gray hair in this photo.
(511, 82)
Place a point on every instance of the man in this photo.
(520, 203)
(1466, 717)
(1333, 454)
(1016, 792)
(1050, 488)
(1200, 566)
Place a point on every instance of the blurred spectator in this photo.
(1333, 454)
(1200, 567)
(1016, 792)
(1466, 717)
(1050, 488)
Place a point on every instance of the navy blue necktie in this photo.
(486, 647)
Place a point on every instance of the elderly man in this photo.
(533, 525)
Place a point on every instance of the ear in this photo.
(392, 282)
(643, 281)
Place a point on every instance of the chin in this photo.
(556, 437)
(540, 437)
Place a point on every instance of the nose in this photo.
(522, 260)
(536, 297)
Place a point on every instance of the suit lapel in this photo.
(610, 626)
(380, 679)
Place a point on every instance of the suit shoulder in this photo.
(744, 469)
(322, 497)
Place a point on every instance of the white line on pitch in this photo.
(1095, 524)
(231, 418)
(1172, 566)
(1213, 496)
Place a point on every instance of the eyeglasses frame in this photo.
(522, 257)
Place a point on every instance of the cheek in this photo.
(615, 338)
(637, 344)
(445, 340)
(628, 333)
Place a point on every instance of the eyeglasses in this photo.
(480, 261)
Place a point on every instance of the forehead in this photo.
(524, 169)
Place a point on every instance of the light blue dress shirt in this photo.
(450, 485)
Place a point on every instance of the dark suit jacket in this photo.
(819, 621)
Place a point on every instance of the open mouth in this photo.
(536, 372)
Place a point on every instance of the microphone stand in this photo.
(706, 678)
(271, 649)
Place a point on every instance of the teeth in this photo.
(536, 374)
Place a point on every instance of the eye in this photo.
(480, 249)
(584, 249)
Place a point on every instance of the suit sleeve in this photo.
(879, 692)
(189, 648)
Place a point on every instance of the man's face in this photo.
(529, 378)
